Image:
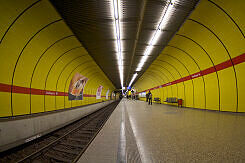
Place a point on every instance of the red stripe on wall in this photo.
(207, 71)
(86, 95)
(24, 90)
(223, 65)
(237, 60)
(5, 88)
(186, 78)
(33, 91)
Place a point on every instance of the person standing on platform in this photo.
(150, 98)
(132, 94)
(147, 97)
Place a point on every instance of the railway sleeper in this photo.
(58, 158)
(86, 132)
(84, 136)
(79, 140)
(89, 128)
(73, 145)
(95, 125)
(69, 151)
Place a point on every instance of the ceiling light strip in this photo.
(134, 76)
(118, 42)
(165, 18)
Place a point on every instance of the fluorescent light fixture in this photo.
(115, 11)
(115, 7)
(133, 78)
(138, 68)
(164, 19)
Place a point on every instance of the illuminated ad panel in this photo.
(98, 93)
(76, 87)
(107, 94)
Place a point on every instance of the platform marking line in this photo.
(137, 141)
(132, 135)
(121, 154)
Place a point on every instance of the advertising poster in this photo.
(98, 93)
(76, 87)
(107, 94)
(112, 95)
(143, 94)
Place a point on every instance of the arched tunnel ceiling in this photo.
(92, 22)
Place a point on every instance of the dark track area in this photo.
(63, 145)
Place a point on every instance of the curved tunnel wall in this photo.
(39, 56)
(204, 62)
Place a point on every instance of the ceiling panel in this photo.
(93, 23)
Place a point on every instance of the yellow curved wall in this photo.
(211, 39)
(39, 51)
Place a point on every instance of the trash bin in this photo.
(180, 102)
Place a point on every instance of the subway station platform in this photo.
(138, 132)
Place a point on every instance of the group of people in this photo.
(149, 98)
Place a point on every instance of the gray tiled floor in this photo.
(162, 133)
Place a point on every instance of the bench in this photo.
(171, 100)
(157, 99)
(174, 100)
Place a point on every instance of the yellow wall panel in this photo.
(212, 47)
(174, 90)
(28, 61)
(240, 69)
(181, 91)
(235, 10)
(59, 102)
(212, 92)
(170, 91)
(21, 104)
(49, 59)
(13, 8)
(37, 103)
(228, 97)
(189, 47)
(199, 95)
(49, 103)
(165, 94)
(189, 94)
(5, 110)
(18, 36)
(221, 25)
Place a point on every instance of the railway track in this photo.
(64, 145)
